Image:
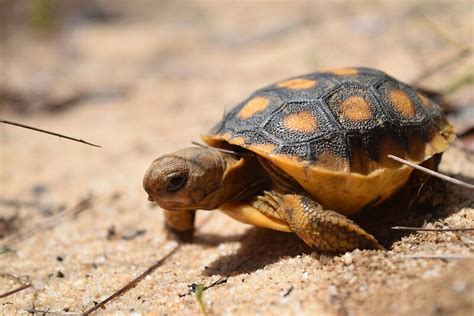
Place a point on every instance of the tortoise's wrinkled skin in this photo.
(320, 144)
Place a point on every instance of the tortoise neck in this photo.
(281, 181)
(243, 177)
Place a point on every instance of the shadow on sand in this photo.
(260, 247)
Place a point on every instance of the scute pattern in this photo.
(276, 130)
(337, 104)
(395, 94)
(357, 113)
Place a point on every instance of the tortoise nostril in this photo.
(150, 198)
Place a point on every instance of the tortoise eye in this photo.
(176, 183)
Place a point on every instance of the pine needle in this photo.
(48, 132)
(432, 172)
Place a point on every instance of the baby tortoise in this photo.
(304, 154)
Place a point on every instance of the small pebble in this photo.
(332, 293)
(459, 286)
(347, 259)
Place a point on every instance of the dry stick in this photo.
(47, 311)
(48, 132)
(135, 281)
(274, 33)
(440, 31)
(11, 276)
(434, 69)
(18, 289)
(442, 257)
(288, 292)
(24, 284)
(463, 52)
(420, 229)
(432, 172)
(224, 278)
(132, 283)
(235, 153)
(81, 206)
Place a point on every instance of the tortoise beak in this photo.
(150, 198)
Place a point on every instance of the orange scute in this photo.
(344, 71)
(402, 102)
(297, 84)
(331, 161)
(266, 148)
(252, 107)
(356, 108)
(301, 122)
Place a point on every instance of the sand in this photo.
(144, 78)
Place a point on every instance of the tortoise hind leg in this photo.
(321, 229)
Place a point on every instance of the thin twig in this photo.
(18, 289)
(288, 292)
(235, 153)
(272, 34)
(441, 31)
(442, 257)
(442, 65)
(48, 132)
(219, 281)
(50, 223)
(11, 277)
(420, 229)
(432, 172)
(50, 312)
(132, 283)
(135, 281)
(222, 279)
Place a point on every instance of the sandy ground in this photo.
(143, 78)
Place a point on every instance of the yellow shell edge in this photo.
(342, 191)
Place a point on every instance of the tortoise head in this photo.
(195, 178)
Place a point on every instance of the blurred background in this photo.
(142, 78)
(145, 77)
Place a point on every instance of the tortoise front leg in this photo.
(321, 229)
(180, 224)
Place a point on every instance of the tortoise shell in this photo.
(332, 132)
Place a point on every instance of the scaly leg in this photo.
(321, 229)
